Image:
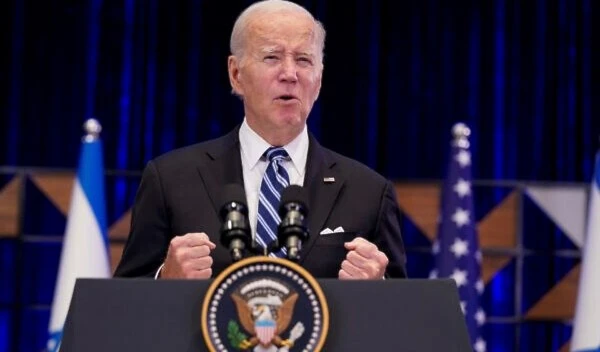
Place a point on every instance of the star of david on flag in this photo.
(456, 249)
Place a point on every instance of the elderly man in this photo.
(275, 67)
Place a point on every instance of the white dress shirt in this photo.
(254, 165)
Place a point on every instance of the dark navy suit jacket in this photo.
(180, 193)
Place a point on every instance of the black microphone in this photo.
(235, 231)
(292, 229)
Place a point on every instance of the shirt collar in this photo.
(254, 146)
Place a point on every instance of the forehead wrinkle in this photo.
(271, 49)
(275, 49)
(267, 45)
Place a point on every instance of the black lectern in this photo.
(164, 315)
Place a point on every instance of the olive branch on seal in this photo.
(235, 336)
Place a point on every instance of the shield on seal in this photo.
(265, 330)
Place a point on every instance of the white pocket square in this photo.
(327, 230)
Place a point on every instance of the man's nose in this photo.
(288, 70)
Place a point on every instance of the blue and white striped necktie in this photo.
(274, 181)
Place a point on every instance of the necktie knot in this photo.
(276, 154)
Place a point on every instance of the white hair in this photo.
(238, 34)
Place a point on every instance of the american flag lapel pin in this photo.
(329, 179)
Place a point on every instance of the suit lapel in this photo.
(220, 166)
(322, 195)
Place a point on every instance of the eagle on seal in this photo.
(265, 318)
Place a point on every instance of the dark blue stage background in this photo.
(397, 75)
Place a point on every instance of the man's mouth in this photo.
(287, 97)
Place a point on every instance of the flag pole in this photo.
(84, 251)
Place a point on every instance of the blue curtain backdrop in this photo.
(397, 75)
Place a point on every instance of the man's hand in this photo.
(189, 257)
(363, 261)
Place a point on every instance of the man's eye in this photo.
(271, 58)
(304, 61)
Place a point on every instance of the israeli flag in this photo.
(85, 245)
(586, 331)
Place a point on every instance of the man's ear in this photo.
(233, 67)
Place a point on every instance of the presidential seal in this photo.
(264, 304)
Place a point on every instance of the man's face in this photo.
(279, 75)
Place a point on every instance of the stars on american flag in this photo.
(463, 158)
(456, 248)
(461, 217)
(479, 345)
(462, 188)
(433, 274)
(459, 247)
(460, 276)
(479, 286)
(480, 317)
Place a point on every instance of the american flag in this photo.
(456, 249)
